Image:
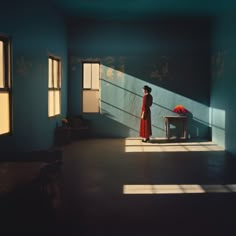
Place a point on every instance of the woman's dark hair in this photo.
(145, 87)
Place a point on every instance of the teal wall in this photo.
(36, 29)
(171, 55)
(175, 56)
(223, 85)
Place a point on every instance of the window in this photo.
(5, 85)
(91, 87)
(54, 86)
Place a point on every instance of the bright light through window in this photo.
(1, 65)
(5, 89)
(91, 87)
(54, 86)
(5, 113)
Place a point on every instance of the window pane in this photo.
(8, 61)
(57, 102)
(95, 76)
(54, 103)
(87, 73)
(49, 72)
(5, 113)
(90, 101)
(59, 70)
(55, 74)
(50, 103)
(1, 65)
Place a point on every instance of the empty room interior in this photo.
(72, 159)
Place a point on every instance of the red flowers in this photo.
(180, 109)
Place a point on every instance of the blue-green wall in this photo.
(172, 55)
(36, 29)
(175, 56)
(223, 86)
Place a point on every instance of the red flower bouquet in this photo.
(180, 109)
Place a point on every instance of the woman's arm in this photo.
(144, 108)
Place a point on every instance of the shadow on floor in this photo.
(93, 175)
(97, 205)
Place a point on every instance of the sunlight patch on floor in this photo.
(136, 145)
(178, 189)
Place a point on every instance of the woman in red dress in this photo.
(145, 123)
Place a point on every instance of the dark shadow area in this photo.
(168, 52)
(34, 156)
(97, 205)
(104, 125)
(31, 201)
(83, 195)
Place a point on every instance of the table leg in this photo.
(185, 129)
(167, 125)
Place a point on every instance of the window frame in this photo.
(90, 89)
(7, 79)
(59, 84)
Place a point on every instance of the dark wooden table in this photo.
(169, 119)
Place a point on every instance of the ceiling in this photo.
(136, 9)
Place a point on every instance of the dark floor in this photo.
(126, 187)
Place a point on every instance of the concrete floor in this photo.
(126, 187)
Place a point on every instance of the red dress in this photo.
(145, 122)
